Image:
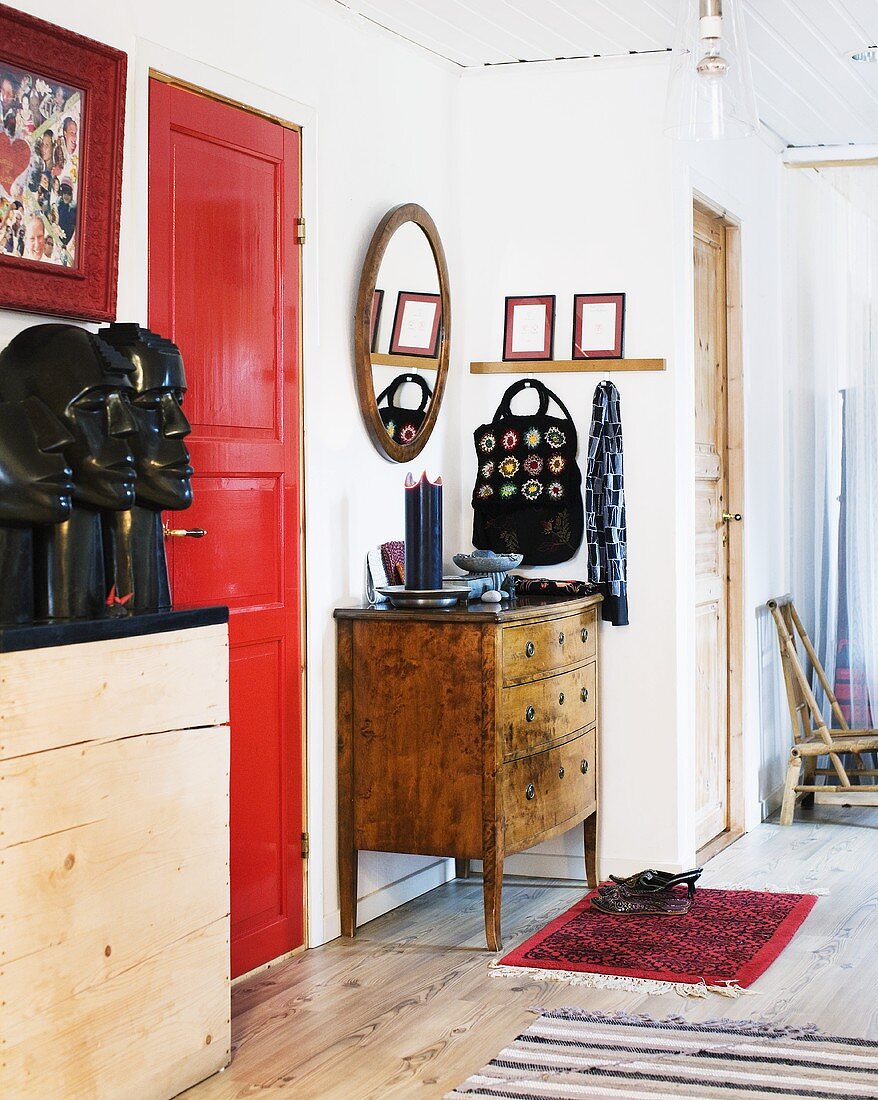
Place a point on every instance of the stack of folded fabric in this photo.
(648, 893)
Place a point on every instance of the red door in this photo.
(224, 279)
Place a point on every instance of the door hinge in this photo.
(306, 845)
(300, 230)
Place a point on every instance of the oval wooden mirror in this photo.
(402, 332)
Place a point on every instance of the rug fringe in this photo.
(617, 981)
(767, 888)
(761, 1028)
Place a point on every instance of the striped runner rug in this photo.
(567, 1054)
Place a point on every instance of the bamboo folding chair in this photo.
(812, 737)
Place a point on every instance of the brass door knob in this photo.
(583, 695)
(530, 714)
(561, 773)
(529, 791)
(183, 532)
(583, 767)
(584, 634)
(529, 649)
(561, 638)
(736, 516)
(561, 699)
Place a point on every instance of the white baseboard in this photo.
(388, 897)
(771, 802)
(537, 865)
(847, 798)
(331, 930)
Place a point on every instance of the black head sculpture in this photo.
(134, 542)
(84, 382)
(35, 488)
(160, 453)
(36, 484)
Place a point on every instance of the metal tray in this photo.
(413, 598)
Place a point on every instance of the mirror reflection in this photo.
(406, 333)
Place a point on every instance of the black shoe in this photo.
(651, 881)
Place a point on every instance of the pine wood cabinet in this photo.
(114, 856)
(470, 733)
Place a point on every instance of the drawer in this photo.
(539, 649)
(541, 793)
(531, 716)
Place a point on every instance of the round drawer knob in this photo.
(583, 767)
(530, 714)
(584, 634)
(529, 649)
(583, 695)
(560, 773)
(530, 791)
(561, 699)
(561, 638)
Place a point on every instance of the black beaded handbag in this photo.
(527, 497)
(403, 424)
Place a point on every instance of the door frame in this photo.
(735, 584)
(156, 62)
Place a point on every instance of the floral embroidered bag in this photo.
(403, 424)
(527, 497)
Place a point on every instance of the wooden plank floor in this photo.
(407, 1009)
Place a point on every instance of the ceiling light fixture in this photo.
(710, 89)
(867, 54)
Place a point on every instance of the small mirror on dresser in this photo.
(402, 332)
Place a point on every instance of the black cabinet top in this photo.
(44, 635)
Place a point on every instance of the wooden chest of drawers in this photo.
(470, 733)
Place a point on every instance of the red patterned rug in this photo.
(726, 940)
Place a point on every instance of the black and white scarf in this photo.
(605, 505)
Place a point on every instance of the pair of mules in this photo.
(648, 893)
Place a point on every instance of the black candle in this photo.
(423, 533)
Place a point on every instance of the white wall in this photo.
(542, 178)
(379, 129)
(568, 185)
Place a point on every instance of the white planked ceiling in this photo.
(809, 92)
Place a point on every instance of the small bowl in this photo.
(486, 561)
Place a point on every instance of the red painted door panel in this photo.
(224, 285)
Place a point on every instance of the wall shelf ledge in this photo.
(558, 366)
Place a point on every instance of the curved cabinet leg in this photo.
(493, 892)
(461, 868)
(590, 837)
(347, 890)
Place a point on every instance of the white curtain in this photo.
(832, 373)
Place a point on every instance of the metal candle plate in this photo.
(413, 598)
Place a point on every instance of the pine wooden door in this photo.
(711, 531)
(224, 281)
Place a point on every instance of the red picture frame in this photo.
(529, 334)
(401, 340)
(98, 72)
(608, 334)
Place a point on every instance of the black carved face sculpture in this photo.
(160, 453)
(86, 384)
(35, 482)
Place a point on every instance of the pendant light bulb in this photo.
(710, 89)
(712, 66)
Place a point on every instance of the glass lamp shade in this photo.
(710, 89)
